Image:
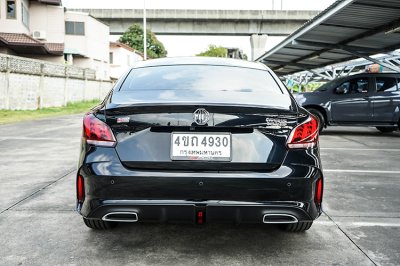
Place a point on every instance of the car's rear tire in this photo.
(319, 116)
(386, 129)
(297, 227)
(99, 224)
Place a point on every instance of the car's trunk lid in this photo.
(257, 134)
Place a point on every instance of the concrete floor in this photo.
(38, 225)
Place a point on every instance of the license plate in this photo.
(201, 146)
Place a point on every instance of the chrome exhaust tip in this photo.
(277, 218)
(125, 217)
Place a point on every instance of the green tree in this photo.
(214, 51)
(134, 38)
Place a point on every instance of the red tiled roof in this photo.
(18, 38)
(55, 47)
(127, 47)
(122, 45)
(14, 40)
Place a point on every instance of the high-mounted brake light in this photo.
(97, 132)
(318, 191)
(304, 135)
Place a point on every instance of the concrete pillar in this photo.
(66, 92)
(70, 59)
(7, 78)
(258, 43)
(41, 88)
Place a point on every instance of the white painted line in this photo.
(31, 138)
(360, 149)
(360, 224)
(360, 171)
(324, 222)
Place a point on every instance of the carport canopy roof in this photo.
(346, 30)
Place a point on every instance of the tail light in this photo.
(80, 189)
(200, 217)
(318, 191)
(97, 132)
(304, 135)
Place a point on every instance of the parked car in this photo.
(360, 100)
(199, 140)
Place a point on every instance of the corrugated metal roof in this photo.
(344, 31)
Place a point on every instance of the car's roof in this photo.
(366, 74)
(200, 60)
(361, 75)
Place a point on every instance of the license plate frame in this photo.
(219, 155)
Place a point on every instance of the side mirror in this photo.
(340, 90)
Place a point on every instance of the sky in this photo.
(191, 45)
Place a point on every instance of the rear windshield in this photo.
(201, 79)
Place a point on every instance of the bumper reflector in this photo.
(80, 189)
(318, 191)
(200, 217)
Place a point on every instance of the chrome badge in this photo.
(201, 116)
(276, 122)
(123, 119)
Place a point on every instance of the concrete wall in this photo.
(50, 58)
(28, 92)
(101, 68)
(27, 84)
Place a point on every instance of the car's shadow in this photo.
(182, 241)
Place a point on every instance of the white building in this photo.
(121, 58)
(86, 43)
(32, 29)
(42, 29)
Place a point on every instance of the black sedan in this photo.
(199, 140)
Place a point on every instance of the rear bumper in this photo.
(177, 196)
(238, 198)
(213, 211)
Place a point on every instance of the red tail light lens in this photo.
(200, 217)
(97, 132)
(304, 135)
(80, 189)
(318, 191)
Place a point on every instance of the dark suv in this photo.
(360, 100)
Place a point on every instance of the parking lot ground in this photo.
(38, 225)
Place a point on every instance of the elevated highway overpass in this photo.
(255, 23)
(205, 22)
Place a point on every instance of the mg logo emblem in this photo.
(201, 116)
